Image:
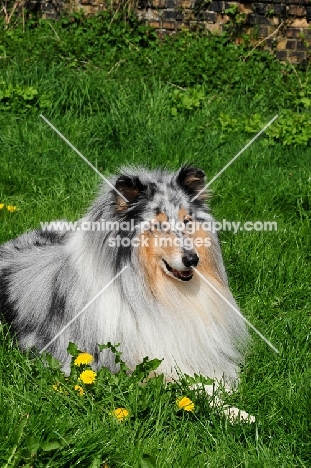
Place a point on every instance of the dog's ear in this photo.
(192, 181)
(129, 189)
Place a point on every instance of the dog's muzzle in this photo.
(190, 259)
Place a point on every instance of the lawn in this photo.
(190, 100)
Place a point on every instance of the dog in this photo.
(151, 224)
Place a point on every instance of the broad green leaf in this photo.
(48, 446)
(33, 445)
(73, 349)
(147, 461)
(52, 361)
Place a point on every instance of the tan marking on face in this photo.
(207, 263)
(161, 218)
(149, 258)
(183, 214)
(122, 205)
(160, 245)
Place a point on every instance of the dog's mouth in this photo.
(183, 275)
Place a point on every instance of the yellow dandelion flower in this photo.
(83, 358)
(80, 390)
(88, 376)
(58, 388)
(185, 403)
(120, 413)
(11, 208)
(1, 206)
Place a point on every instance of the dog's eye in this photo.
(187, 220)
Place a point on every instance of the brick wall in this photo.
(283, 27)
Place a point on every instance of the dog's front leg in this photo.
(233, 414)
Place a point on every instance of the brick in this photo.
(260, 8)
(291, 44)
(308, 14)
(271, 30)
(200, 5)
(297, 57)
(264, 20)
(281, 54)
(296, 10)
(251, 19)
(214, 28)
(280, 10)
(199, 16)
(158, 3)
(142, 4)
(150, 14)
(188, 14)
(300, 23)
(271, 43)
(293, 33)
(154, 24)
(168, 25)
(170, 3)
(257, 19)
(168, 15)
(299, 2)
(210, 17)
(217, 7)
(281, 44)
(186, 3)
(263, 31)
(270, 1)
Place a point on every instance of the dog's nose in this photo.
(190, 260)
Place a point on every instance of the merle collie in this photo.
(157, 225)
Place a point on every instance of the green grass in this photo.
(125, 117)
